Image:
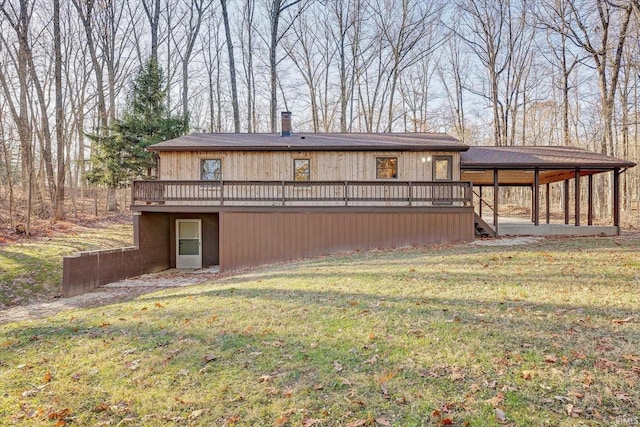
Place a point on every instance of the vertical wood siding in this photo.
(278, 166)
(255, 238)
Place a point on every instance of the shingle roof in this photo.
(312, 142)
(477, 158)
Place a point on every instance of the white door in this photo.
(188, 243)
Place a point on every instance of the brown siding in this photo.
(278, 166)
(250, 238)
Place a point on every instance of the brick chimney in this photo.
(286, 123)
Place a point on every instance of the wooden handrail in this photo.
(304, 193)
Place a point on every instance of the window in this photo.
(301, 169)
(442, 168)
(386, 167)
(211, 170)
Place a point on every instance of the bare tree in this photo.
(195, 11)
(152, 10)
(232, 67)
(60, 142)
(248, 45)
(454, 77)
(605, 47)
(19, 20)
(213, 64)
(85, 11)
(276, 11)
(410, 32)
(497, 33)
(345, 33)
(311, 55)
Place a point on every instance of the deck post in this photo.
(548, 202)
(577, 196)
(496, 188)
(480, 201)
(536, 197)
(566, 201)
(590, 202)
(616, 198)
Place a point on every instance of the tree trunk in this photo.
(58, 210)
(232, 68)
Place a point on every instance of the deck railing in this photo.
(297, 193)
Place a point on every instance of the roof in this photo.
(517, 164)
(478, 158)
(312, 142)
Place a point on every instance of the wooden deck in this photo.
(302, 194)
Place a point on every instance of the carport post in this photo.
(590, 202)
(616, 198)
(496, 188)
(547, 202)
(577, 196)
(566, 201)
(536, 197)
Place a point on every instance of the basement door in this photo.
(188, 243)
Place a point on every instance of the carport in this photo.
(539, 167)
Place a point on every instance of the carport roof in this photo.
(519, 158)
(516, 165)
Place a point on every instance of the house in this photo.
(241, 200)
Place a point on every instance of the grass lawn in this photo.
(33, 269)
(545, 334)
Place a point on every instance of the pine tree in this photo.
(121, 155)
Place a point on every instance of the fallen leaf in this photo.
(446, 422)
(569, 409)
(318, 386)
(133, 365)
(266, 378)
(232, 420)
(631, 357)
(587, 379)
(578, 354)
(626, 320)
(576, 394)
(357, 423)
(337, 366)
(210, 358)
(528, 375)
(197, 413)
(456, 374)
(59, 415)
(158, 305)
(47, 377)
(551, 358)
(496, 400)
(372, 336)
(287, 393)
(309, 422)
(371, 361)
(281, 421)
(500, 415)
(383, 422)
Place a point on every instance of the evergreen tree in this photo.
(120, 154)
